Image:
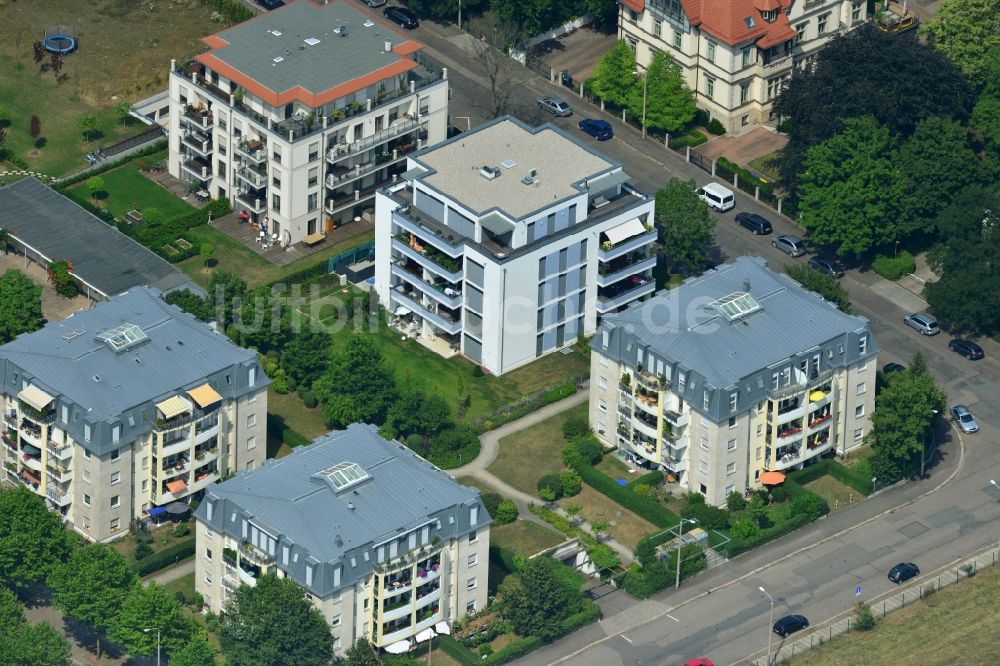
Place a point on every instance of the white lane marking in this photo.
(627, 638)
(673, 618)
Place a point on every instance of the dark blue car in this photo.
(599, 129)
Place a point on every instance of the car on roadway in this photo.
(923, 322)
(903, 572)
(555, 106)
(702, 661)
(967, 348)
(402, 17)
(270, 4)
(793, 246)
(599, 129)
(893, 367)
(963, 417)
(374, 3)
(790, 624)
(827, 266)
(758, 224)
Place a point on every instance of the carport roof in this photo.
(103, 258)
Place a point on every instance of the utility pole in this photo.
(770, 624)
(680, 545)
(644, 83)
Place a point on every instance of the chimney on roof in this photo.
(388, 45)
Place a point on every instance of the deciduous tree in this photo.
(93, 585)
(151, 607)
(669, 103)
(965, 30)
(306, 356)
(124, 109)
(39, 51)
(502, 73)
(196, 653)
(20, 305)
(226, 291)
(684, 224)
(362, 654)
(95, 184)
(358, 384)
(191, 302)
(851, 192)
(35, 128)
(24, 644)
(824, 285)
(33, 541)
(614, 79)
(538, 601)
(87, 125)
(273, 624)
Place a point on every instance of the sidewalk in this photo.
(170, 574)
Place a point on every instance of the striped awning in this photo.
(205, 395)
(35, 397)
(172, 407)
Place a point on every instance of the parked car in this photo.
(555, 106)
(402, 17)
(790, 624)
(827, 266)
(374, 3)
(703, 661)
(967, 348)
(903, 572)
(923, 322)
(754, 222)
(270, 4)
(793, 246)
(893, 367)
(963, 417)
(717, 197)
(599, 129)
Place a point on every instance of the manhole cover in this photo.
(914, 529)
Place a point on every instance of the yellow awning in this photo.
(35, 397)
(205, 395)
(172, 406)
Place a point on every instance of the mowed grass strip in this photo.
(523, 537)
(836, 494)
(625, 527)
(127, 189)
(527, 455)
(958, 625)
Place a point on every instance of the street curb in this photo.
(951, 477)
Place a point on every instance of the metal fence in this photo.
(700, 161)
(881, 607)
(153, 133)
(339, 263)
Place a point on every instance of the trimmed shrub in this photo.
(457, 651)
(738, 546)
(735, 501)
(893, 268)
(715, 127)
(811, 505)
(551, 482)
(506, 512)
(645, 582)
(708, 517)
(866, 619)
(590, 449)
(491, 501)
(415, 442)
(164, 558)
(701, 118)
(571, 456)
(779, 494)
(575, 427)
(515, 650)
(642, 490)
(745, 528)
(309, 399)
(572, 484)
(143, 550)
(591, 613)
(654, 478)
(477, 371)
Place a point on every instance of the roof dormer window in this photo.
(769, 15)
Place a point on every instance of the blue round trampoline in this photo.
(59, 40)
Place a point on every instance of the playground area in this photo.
(59, 39)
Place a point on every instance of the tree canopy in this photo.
(224, 289)
(93, 585)
(306, 356)
(539, 599)
(669, 102)
(20, 305)
(196, 653)
(24, 644)
(33, 541)
(900, 83)
(274, 624)
(614, 79)
(965, 30)
(146, 607)
(851, 191)
(685, 226)
(359, 385)
(824, 285)
(361, 654)
(191, 302)
(417, 412)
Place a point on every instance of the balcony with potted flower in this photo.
(789, 430)
(820, 419)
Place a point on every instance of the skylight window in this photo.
(122, 338)
(737, 305)
(344, 475)
(750, 22)
(311, 41)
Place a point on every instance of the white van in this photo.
(717, 197)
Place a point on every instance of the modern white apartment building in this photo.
(385, 544)
(297, 115)
(733, 373)
(121, 410)
(736, 54)
(508, 241)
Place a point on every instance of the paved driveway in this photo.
(748, 146)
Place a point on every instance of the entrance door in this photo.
(311, 227)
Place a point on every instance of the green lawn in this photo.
(954, 626)
(625, 526)
(836, 494)
(612, 466)
(765, 165)
(290, 423)
(126, 189)
(526, 455)
(185, 585)
(523, 537)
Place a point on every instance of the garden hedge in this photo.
(738, 546)
(649, 509)
(457, 651)
(513, 651)
(654, 478)
(164, 558)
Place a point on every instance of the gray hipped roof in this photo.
(286, 497)
(684, 326)
(102, 256)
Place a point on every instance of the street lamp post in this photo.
(680, 544)
(459, 14)
(997, 486)
(644, 83)
(157, 630)
(770, 623)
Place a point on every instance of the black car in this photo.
(790, 624)
(903, 572)
(893, 367)
(966, 348)
(270, 4)
(827, 267)
(402, 17)
(754, 222)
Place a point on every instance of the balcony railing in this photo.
(196, 143)
(609, 278)
(441, 320)
(436, 292)
(252, 151)
(607, 253)
(254, 554)
(57, 450)
(255, 200)
(252, 176)
(437, 262)
(609, 303)
(197, 166)
(342, 150)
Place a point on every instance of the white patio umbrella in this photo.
(442, 628)
(425, 635)
(399, 647)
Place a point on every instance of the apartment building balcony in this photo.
(788, 433)
(397, 609)
(58, 496)
(252, 151)
(785, 457)
(789, 413)
(340, 174)
(253, 177)
(245, 577)
(32, 462)
(230, 583)
(179, 442)
(645, 428)
(821, 422)
(448, 323)
(341, 201)
(615, 297)
(254, 554)
(651, 382)
(645, 451)
(31, 432)
(203, 478)
(197, 143)
(202, 458)
(396, 635)
(59, 469)
(675, 419)
(197, 166)
(429, 596)
(776, 64)
(425, 231)
(816, 400)
(255, 200)
(609, 251)
(62, 451)
(814, 381)
(10, 419)
(441, 264)
(344, 150)
(9, 442)
(624, 267)
(648, 402)
(199, 119)
(409, 272)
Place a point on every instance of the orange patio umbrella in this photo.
(772, 478)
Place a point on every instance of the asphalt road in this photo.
(731, 624)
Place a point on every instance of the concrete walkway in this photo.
(169, 575)
(490, 448)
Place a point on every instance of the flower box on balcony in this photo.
(789, 432)
(820, 420)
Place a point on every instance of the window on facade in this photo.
(86, 475)
(116, 454)
(313, 177)
(730, 489)
(856, 13)
(473, 560)
(862, 366)
(760, 452)
(800, 32)
(709, 87)
(746, 55)
(208, 554)
(633, 43)
(116, 501)
(473, 536)
(314, 152)
(711, 51)
(744, 93)
(472, 584)
(862, 388)
(470, 607)
(774, 380)
(86, 432)
(677, 39)
(730, 468)
(733, 398)
(276, 203)
(863, 344)
(658, 28)
(732, 422)
(251, 443)
(250, 465)
(821, 24)
(859, 411)
(703, 443)
(335, 621)
(603, 382)
(703, 466)
(312, 202)
(603, 406)
(706, 399)
(731, 445)
(86, 499)
(632, 15)
(859, 434)
(116, 524)
(251, 420)
(116, 478)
